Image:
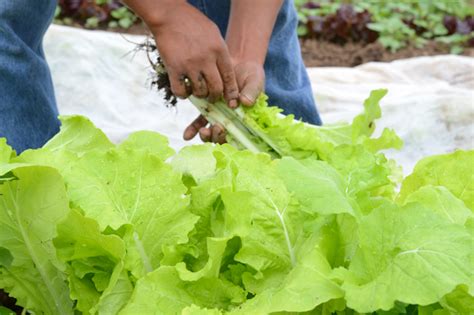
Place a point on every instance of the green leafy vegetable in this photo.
(283, 136)
(6, 152)
(311, 222)
(407, 254)
(438, 171)
(30, 208)
(97, 278)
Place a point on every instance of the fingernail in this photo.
(233, 104)
(186, 136)
(205, 131)
(247, 100)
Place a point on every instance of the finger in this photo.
(218, 134)
(199, 84)
(205, 134)
(214, 84)
(178, 86)
(192, 130)
(226, 70)
(251, 89)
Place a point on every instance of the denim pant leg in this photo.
(287, 83)
(28, 113)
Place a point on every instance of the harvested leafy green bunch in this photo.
(315, 227)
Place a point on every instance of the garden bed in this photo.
(320, 53)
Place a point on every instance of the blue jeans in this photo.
(28, 112)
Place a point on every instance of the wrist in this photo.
(236, 61)
(155, 13)
(250, 28)
(239, 54)
(167, 9)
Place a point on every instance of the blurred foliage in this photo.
(95, 14)
(395, 24)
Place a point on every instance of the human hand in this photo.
(251, 80)
(191, 47)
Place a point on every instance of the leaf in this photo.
(453, 171)
(163, 292)
(6, 311)
(95, 264)
(30, 208)
(196, 310)
(299, 140)
(338, 238)
(441, 201)
(117, 293)
(306, 286)
(6, 152)
(388, 140)
(458, 301)
(317, 186)
(148, 141)
(137, 189)
(78, 135)
(363, 124)
(408, 254)
(267, 236)
(196, 162)
(206, 204)
(368, 175)
(255, 207)
(215, 249)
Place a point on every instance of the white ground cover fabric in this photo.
(430, 102)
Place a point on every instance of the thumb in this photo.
(250, 90)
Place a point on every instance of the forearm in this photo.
(250, 28)
(152, 12)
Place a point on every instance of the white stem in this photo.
(287, 237)
(217, 114)
(141, 251)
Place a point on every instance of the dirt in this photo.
(325, 54)
(9, 302)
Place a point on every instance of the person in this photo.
(211, 48)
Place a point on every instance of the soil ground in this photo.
(325, 54)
